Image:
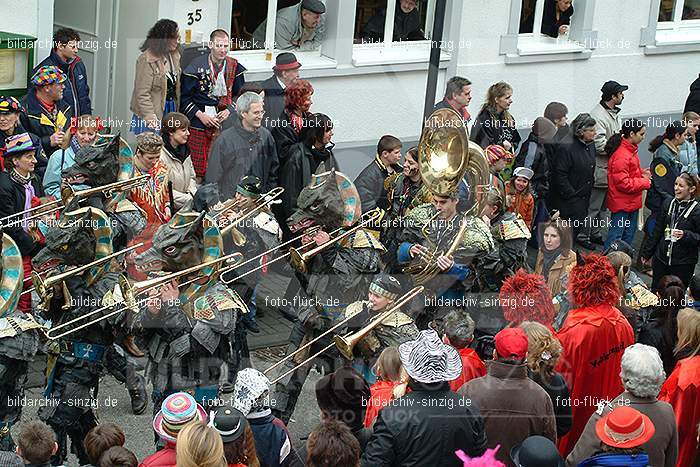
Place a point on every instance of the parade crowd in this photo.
(439, 342)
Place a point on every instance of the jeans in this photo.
(252, 307)
(623, 226)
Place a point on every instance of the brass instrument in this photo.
(300, 260)
(131, 291)
(37, 208)
(346, 344)
(264, 201)
(68, 193)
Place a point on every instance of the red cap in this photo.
(511, 343)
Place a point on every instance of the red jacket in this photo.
(472, 367)
(594, 339)
(625, 181)
(381, 393)
(163, 458)
(682, 391)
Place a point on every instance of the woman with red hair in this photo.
(287, 128)
(594, 336)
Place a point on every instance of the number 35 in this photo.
(194, 17)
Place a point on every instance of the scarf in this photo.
(550, 258)
(29, 193)
(218, 77)
(180, 153)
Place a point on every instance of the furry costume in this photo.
(526, 297)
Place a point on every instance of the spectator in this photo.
(519, 199)
(659, 329)
(573, 174)
(642, 376)
(556, 17)
(536, 451)
(556, 112)
(177, 410)
(681, 389)
(209, 83)
(343, 395)
(676, 238)
(46, 113)
(118, 456)
(506, 390)
(525, 297)
(370, 182)
(177, 158)
(299, 27)
(157, 78)
(252, 398)
(458, 95)
(688, 152)
(626, 181)
(498, 158)
(431, 422)
(459, 333)
(284, 73)
(245, 149)
(64, 55)
(290, 125)
(533, 156)
(389, 373)
(407, 24)
(628, 282)
(622, 432)
(36, 444)
(239, 444)
(100, 439)
(200, 445)
(555, 258)
(544, 351)
(10, 125)
(10, 459)
(692, 103)
(331, 444)
(495, 124)
(665, 168)
(82, 133)
(593, 337)
(694, 292)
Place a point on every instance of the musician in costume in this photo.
(19, 340)
(395, 329)
(337, 275)
(78, 359)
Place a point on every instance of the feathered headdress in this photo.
(526, 297)
(488, 459)
(594, 282)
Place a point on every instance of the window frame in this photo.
(674, 32)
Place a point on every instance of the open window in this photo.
(674, 26)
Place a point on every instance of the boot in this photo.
(130, 346)
(139, 398)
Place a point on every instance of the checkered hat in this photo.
(177, 410)
(48, 75)
(9, 104)
(429, 360)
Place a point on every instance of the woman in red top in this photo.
(626, 181)
(389, 374)
(682, 388)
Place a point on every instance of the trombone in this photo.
(346, 344)
(133, 290)
(68, 193)
(264, 201)
(37, 208)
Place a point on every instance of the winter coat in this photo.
(238, 152)
(472, 367)
(285, 134)
(12, 200)
(607, 124)
(407, 26)
(662, 447)
(77, 90)
(558, 272)
(665, 168)
(572, 177)
(683, 251)
(274, 100)
(381, 394)
(523, 204)
(182, 176)
(151, 85)
(660, 332)
(692, 104)
(425, 427)
(37, 121)
(464, 113)
(512, 405)
(272, 443)
(533, 155)
(558, 392)
(288, 28)
(594, 339)
(492, 128)
(163, 458)
(370, 185)
(625, 181)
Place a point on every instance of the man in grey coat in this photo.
(246, 148)
(299, 27)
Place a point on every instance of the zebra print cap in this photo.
(428, 360)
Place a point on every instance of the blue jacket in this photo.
(77, 92)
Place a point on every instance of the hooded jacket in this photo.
(625, 181)
(77, 91)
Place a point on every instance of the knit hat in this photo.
(495, 153)
(344, 391)
(594, 282)
(429, 360)
(526, 297)
(148, 142)
(177, 410)
(46, 75)
(251, 390)
(511, 343)
(386, 286)
(229, 423)
(9, 104)
(624, 428)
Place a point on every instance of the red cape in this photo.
(682, 391)
(594, 339)
(472, 367)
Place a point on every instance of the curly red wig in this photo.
(297, 94)
(594, 282)
(526, 297)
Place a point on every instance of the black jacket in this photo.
(285, 135)
(683, 251)
(370, 185)
(572, 177)
(274, 99)
(537, 161)
(664, 171)
(425, 428)
(12, 201)
(692, 104)
(31, 120)
(660, 332)
(558, 391)
(407, 26)
(77, 91)
(491, 128)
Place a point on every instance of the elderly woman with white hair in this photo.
(642, 376)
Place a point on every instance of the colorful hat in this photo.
(385, 285)
(428, 360)
(48, 75)
(495, 153)
(18, 144)
(624, 428)
(177, 410)
(488, 459)
(251, 390)
(9, 104)
(511, 343)
(594, 282)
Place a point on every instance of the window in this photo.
(674, 26)
(679, 10)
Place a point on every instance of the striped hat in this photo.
(9, 104)
(429, 360)
(48, 75)
(177, 410)
(385, 285)
(19, 144)
(495, 153)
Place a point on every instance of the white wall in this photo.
(30, 17)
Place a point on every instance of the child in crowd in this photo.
(519, 199)
(390, 375)
(459, 333)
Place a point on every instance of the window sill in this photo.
(397, 53)
(675, 41)
(254, 60)
(547, 49)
